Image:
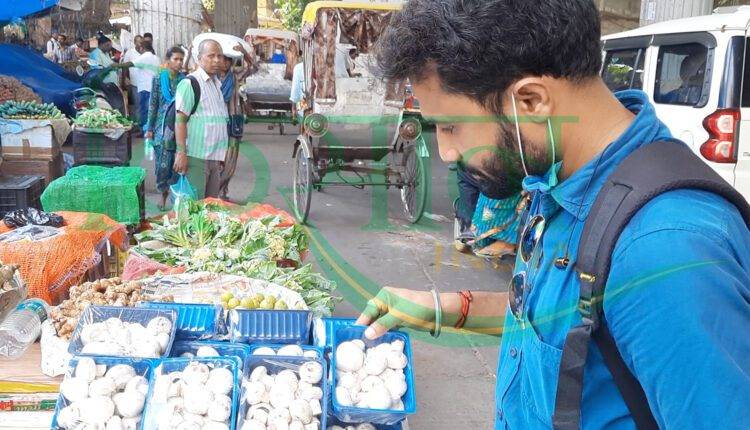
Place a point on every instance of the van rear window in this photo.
(681, 77)
(623, 69)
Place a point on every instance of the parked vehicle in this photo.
(696, 71)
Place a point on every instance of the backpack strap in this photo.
(196, 93)
(648, 172)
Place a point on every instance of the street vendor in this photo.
(675, 307)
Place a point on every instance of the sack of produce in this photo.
(31, 216)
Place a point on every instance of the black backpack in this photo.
(645, 174)
(170, 116)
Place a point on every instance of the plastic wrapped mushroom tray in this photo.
(375, 416)
(152, 320)
(269, 326)
(198, 397)
(191, 349)
(308, 351)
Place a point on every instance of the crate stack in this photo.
(36, 150)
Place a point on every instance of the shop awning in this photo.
(22, 8)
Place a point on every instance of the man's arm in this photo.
(184, 101)
(678, 305)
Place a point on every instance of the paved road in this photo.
(362, 246)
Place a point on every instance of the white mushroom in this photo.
(309, 392)
(194, 419)
(397, 345)
(137, 383)
(97, 410)
(315, 425)
(131, 423)
(86, 369)
(195, 373)
(148, 348)
(129, 404)
(365, 426)
(102, 387)
(96, 332)
(349, 381)
(279, 415)
(359, 343)
(220, 408)
(281, 396)
(375, 362)
(207, 351)
(371, 383)
(398, 405)
(114, 423)
(69, 417)
(278, 425)
(253, 425)
(290, 350)
(254, 392)
(120, 374)
(349, 357)
(197, 399)
(258, 373)
(343, 396)
(159, 325)
(138, 331)
(395, 385)
(187, 355)
(264, 351)
(259, 412)
(296, 425)
(74, 388)
(103, 348)
(315, 407)
(162, 339)
(378, 398)
(214, 425)
(396, 360)
(101, 369)
(300, 410)
(311, 372)
(288, 378)
(220, 380)
(113, 323)
(310, 353)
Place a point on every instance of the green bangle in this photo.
(438, 314)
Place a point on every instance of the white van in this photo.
(694, 70)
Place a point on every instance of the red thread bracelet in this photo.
(466, 299)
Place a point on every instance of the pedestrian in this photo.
(163, 89)
(661, 292)
(297, 94)
(231, 78)
(202, 137)
(81, 49)
(130, 56)
(109, 78)
(67, 52)
(53, 48)
(147, 66)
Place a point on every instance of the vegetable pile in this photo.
(112, 291)
(102, 118)
(204, 237)
(258, 301)
(13, 89)
(98, 396)
(117, 338)
(290, 399)
(12, 109)
(371, 378)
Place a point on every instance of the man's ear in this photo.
(533, 99)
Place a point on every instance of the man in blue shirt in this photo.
(514, 90)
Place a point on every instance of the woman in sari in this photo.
(162, 95)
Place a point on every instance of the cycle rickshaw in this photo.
(354, 121)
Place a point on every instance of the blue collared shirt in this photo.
(677, 303)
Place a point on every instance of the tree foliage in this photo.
(291, 12)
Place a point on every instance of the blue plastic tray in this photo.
(275, 365)
(324, 328)
(194, 321)
(142, 366)
(225, 349)
(94, 314)
(379, 416)
(168, 365)
(275, 347)
(333, 421)
(269, 326)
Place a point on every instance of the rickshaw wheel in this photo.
(414, 188)
(303, 184)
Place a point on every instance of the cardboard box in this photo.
(39, 140)
(50, 169)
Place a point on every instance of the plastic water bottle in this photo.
(22, 327)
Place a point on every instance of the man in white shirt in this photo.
(53, 48)
(147, 65)
(130, 56)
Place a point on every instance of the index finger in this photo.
(370, 313)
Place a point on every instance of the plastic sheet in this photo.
(189, 349)
(141, 368)
(106, 314)
(250, 400)
(378, 416)
(31, 216)
(169, 371)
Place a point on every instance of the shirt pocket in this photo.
(539, 384)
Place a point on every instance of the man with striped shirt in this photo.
(202, 138)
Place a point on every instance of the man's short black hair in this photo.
(479, 47)
(148, 36)
(147, 46)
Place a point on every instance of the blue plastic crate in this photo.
(379, 416)
(225, 349)
(95, 314)
(142, 367)
(169, 365)
(275, 365)
(324, 328)
(194, 321)
(269, 326)
(276, 347)
(333, 421)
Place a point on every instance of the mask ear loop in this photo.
(552, 141)
(518, 134)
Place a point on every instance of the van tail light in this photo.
(722, 127)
